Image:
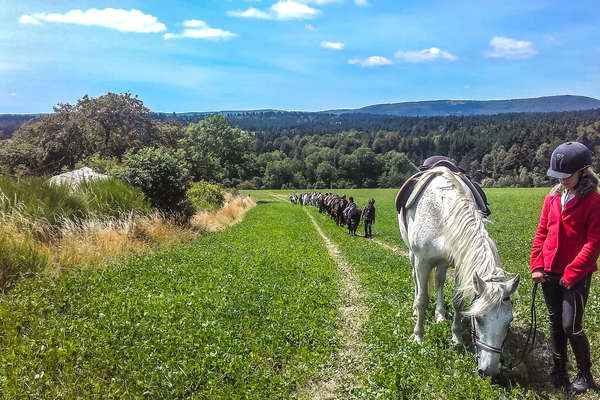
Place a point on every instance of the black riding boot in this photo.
(558, 375)
(581, 347)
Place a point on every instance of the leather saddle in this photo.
(407, 189)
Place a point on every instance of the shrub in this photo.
(247, 185)
(162, 177)
(17, 259)
(487, 183)
(205, 195)
(99, 164)
(112, 197)
(506, 181)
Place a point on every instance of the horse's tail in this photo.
(430, 282)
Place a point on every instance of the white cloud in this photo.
(198, 29)
(310, 27)
(425, 55)
(373, 61)
(285, 10)
(362, 3)
(282, 10)
(321, 2)
(119, 19)
(332, 45)
(250, 13)
(503, 47)
(28, 19)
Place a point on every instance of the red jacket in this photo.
(568, 242)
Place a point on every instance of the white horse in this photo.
(441, 226)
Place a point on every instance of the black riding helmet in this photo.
(569, 158)
(351, 199)
(371, 201)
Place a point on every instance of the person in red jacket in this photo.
(564, 255)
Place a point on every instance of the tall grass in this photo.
(36, 199)
(112, 198)
(233, 209)
(49, 228)
(18, 258)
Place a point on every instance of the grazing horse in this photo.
(441, 225)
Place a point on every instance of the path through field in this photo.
(392, 248)
(344, 373)
(284, 305)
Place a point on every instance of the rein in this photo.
(532, 330)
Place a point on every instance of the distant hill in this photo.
(11, 122)
(476, 107)
(375, 116)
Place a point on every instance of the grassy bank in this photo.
(48, 228)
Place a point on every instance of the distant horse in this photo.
(441, 225)
(338, 211)
(353, 219)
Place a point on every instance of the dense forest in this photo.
(273, 149)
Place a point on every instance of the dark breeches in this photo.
(368, 224)
(565, 311)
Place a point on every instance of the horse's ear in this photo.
(511, 285)
(478, 284)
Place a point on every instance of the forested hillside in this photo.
(273, 149)
(477, 107)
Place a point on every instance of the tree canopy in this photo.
(297, 150)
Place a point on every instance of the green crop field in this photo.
(254, 312)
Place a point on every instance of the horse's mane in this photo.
(471, 249)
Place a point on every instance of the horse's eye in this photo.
(506, 299)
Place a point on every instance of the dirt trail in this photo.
(342, 376)
(392, 248)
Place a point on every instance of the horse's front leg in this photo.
(421, 274)
(457, 325)
(440, 280)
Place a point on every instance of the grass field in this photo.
(253, 312)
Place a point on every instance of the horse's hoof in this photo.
(417, 338)
(439, 317)
(456, 339)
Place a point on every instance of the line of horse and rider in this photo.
(345, 212)
(441, 216)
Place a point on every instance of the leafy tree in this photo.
(326, 173)
(115, 122)
(283, 174)
(106, 126)
(214, 150)
(163, 178)
(395, 169)
(360, 166)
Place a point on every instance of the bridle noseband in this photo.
(532, 330)
(482, 345)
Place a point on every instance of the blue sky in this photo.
(309, 55)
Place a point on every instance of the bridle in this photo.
(532, 329)
(482, 345)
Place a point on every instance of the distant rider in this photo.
(368, 216)
(350, 206)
